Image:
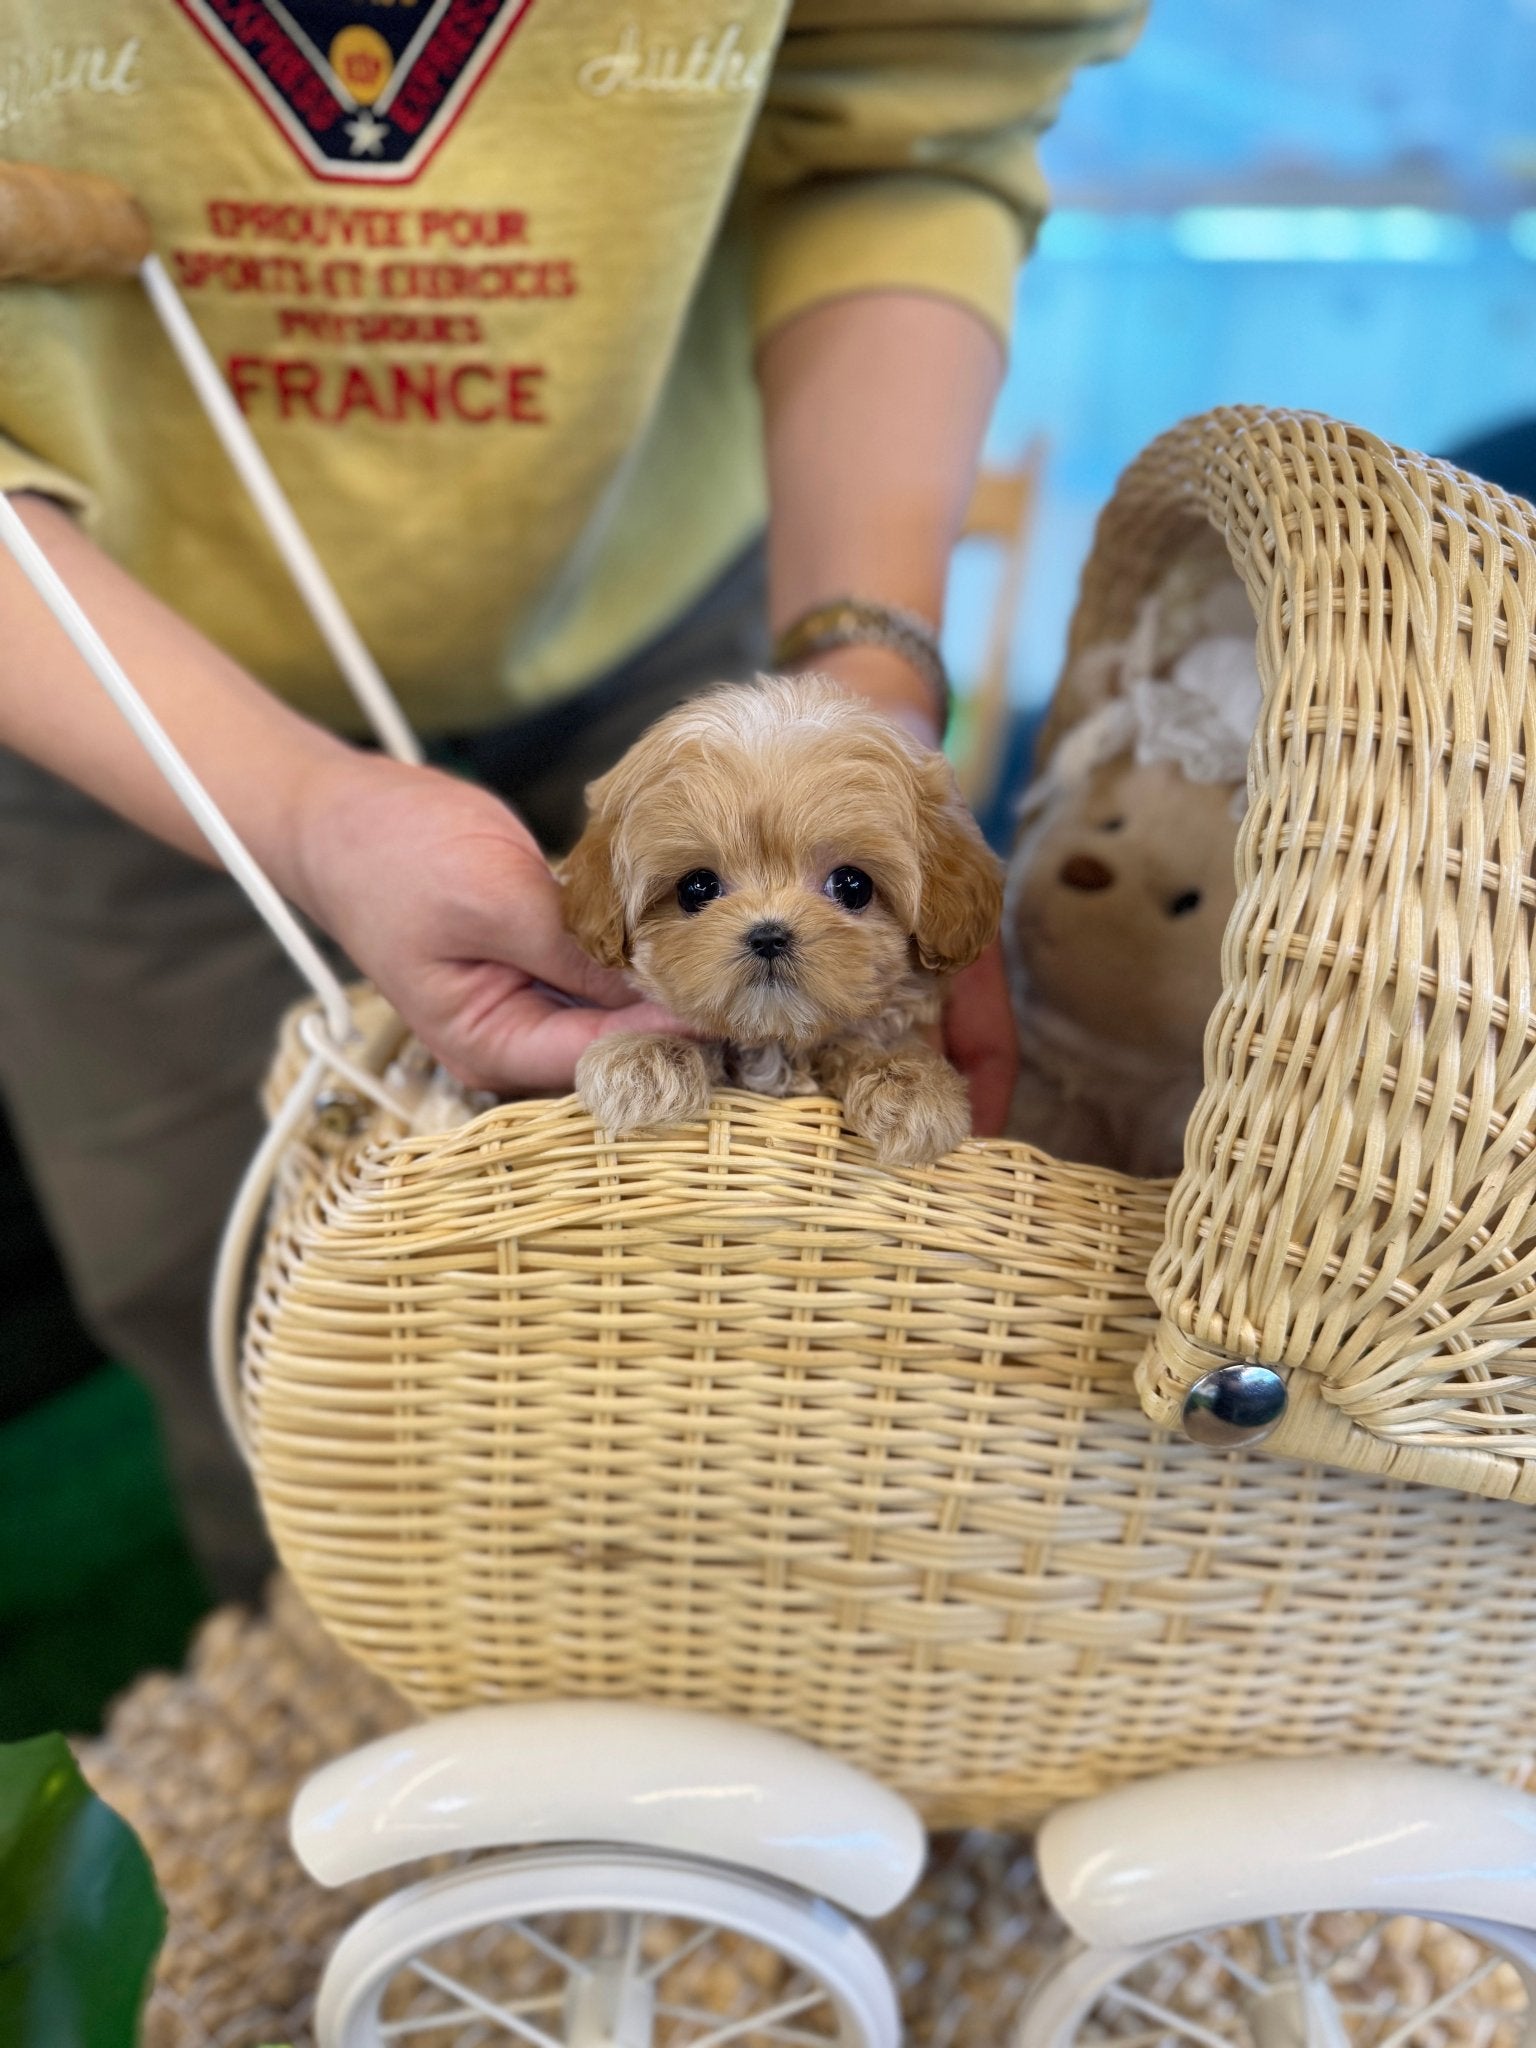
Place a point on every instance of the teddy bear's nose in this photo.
(1082, 871)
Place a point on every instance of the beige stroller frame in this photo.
(824, 1492)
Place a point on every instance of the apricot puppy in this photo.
(795, 878)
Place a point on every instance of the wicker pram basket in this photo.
(730, 1418)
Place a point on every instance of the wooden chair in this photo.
(1002, 514)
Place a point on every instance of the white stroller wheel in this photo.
(604, 1948)
(1302, 1980)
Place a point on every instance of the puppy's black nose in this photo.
(770, 940)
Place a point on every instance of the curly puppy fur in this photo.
(772, 789)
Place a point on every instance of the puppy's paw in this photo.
(634, 1079)
(912, 1109)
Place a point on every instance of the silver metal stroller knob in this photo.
(1235, 1404)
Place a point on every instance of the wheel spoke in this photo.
(1277, 1942)
(1162, 2016)
(796, 2038)
(1209, 1946)
(1439, 2005)
(690, 1947)
(634, 1925)
(1300, 1925)
(1346, 1956)
(794, 2035)
(397, 2030)
(546, 1947)
(421, 2023)
(761, 2022)
(689, 2012)
(1146, 2039)
(505, 2016)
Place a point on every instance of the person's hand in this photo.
(980, 1039)
(439, 894)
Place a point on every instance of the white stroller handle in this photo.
(246, 1212)
(327, 1061)
(59, 227)
(178, 772)
(328, 1036)
(372, 694)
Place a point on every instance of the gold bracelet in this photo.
(858, 622)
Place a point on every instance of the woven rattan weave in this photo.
(1356, 1205)
(730, 1417)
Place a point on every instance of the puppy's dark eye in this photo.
(1182, 905)
(850, 887)
(1112, 825)
(698, 888)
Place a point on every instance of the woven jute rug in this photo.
(205, 1765)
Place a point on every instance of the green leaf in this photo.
(80, 1918)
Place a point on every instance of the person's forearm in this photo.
(257, 758)
(874, 410)
(433, 889)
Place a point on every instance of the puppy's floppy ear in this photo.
(590, 901)
(961, 904)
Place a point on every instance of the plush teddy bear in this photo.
(1119, 889)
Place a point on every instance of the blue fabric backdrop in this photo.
(1308, 204)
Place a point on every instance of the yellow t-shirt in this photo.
(486, 276)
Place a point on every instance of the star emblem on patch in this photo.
(368, 134)
(360, 90)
